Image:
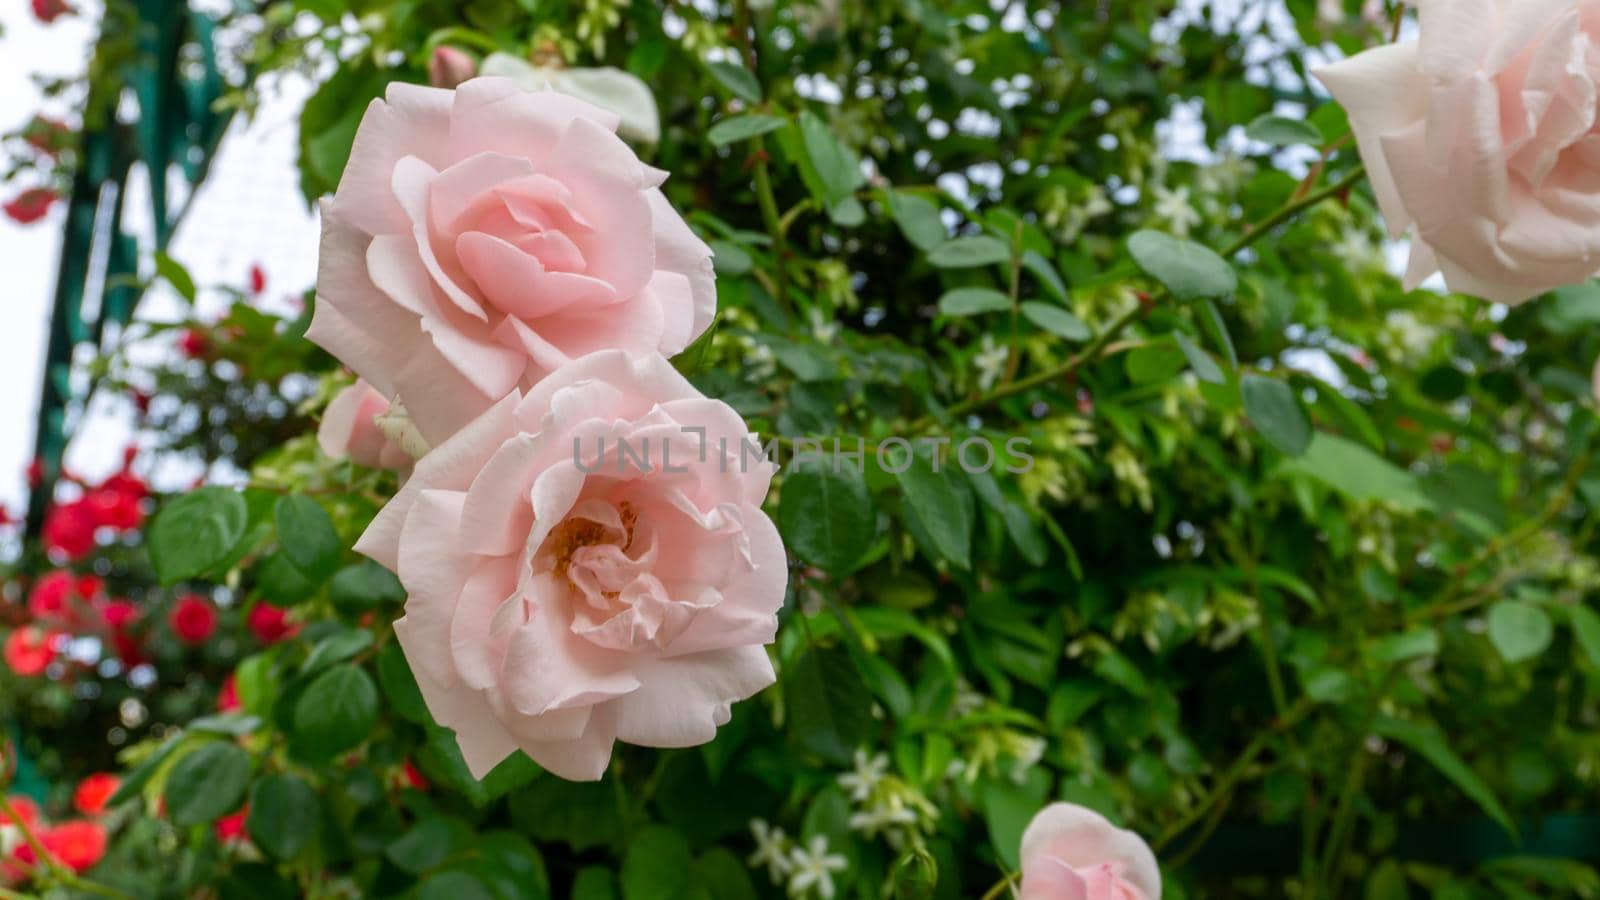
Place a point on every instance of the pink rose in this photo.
(1481, 136)
(351, 427)
(1070, 852)
(484, 237)
(562, 597)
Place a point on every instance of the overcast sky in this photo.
(249, 212)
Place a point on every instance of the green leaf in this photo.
(225, 724)
(284, 815)
(1283, 131)
(1519, 630)
(594, 883)
(829, 706)
(1008, 807)
(1187, 269)
(656, 865)
(1057, 321)
(736, 79)
(400, 686)
(918, 218)
(336, 712)
(582, 814)
(195, 532)
(306, 534)
(825, 512)
(1358, 473)
(176, 275)
(1586, 628)
(1432, 745)
(730, 259)
(1039, 267)
(442, 761)
(1275, 411)
(424, 845)
(364, 586)
(1211, 321)
(835, 165)
(336, 647)
(971, 301)
(943, 505)
(1200, 362)
(743, 128)
(1393, 648)
(207, 784)
(968, 252)
(720, 875)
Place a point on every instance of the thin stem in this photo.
(1288, 210)
(744, 25)
(1087, 355)
(1234, 774)
(42, 858)
(999, 887)
(1339, 831)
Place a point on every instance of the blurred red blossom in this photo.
(193, 343)
(48, 11)
(270, 623)
(230, 828)
(193, 619)
(76, 845)
(31, 205)
(258, 279)
(69, 529)
(29, 650)
(413, 778)
(228, 695)
(62, 597)
(93, 792)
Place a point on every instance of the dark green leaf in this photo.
(1057, 321)
(284, 815)
(918, 218)
(830, 708)
(1283, 131)
(1432, 745)
(1519, 630)
(1275, 411)
(176, 275)
(656, 865)
(967, 252)
(306, 534)
(942, 503)
(971, 301)
(1189, 270)
(825, 512)
(1200, 362)
(207, 784)
(835, 166)
(737, 80)
(195, 532)
(742, 128)
(364, 586)
(337, 711)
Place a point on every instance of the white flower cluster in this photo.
(805, 869)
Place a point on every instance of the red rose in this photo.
(49, 10)
(69, 529)
(270, 623)
(93, 792)
(60, 597)
(193, 619)
(413, 778)
(118, 614)
(78, 845)
(27, 810)
(228, 695)
(258, 279)
(31, 205)
(230, 828)
(30, 649)
(193, 343)
(114, 508)
(6, 518)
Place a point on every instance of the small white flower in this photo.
(990, 362)
(1027, 750)
(1172, 207)
(813, 868)
(772, 850)
(868, 773)
(10, 838)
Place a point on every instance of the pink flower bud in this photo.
(449, 67)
